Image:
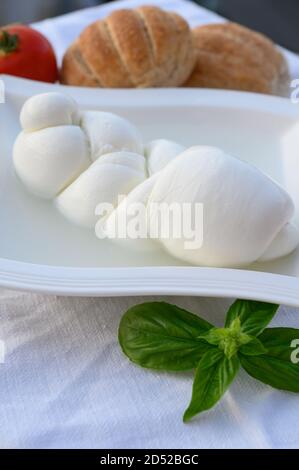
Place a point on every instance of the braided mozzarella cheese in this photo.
(111, 176)
(125, 211)
(52, 150)
(109, 133)
(83, 159)
(246, 215)
(160, 152)
(49, 159)
(49, 110)
(58, 143)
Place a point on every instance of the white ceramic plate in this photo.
(40, 251)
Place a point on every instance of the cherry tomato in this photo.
(26, 53)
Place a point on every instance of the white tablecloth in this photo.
(65, 382)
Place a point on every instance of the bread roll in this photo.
(144, 47)
(231, 56)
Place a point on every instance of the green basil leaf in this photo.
(254, 316)
(213, 375)
(278, 367)
(254, 348)
(159, 335)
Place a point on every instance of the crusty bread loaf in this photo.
(144, 47)
(234, 57)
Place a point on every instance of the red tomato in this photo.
(26, 53)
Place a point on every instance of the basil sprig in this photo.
(158, 335)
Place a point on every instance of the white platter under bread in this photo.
(41, 251)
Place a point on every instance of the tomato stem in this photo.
(8, 42)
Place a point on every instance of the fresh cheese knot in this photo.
(48, 110)
(160, 152)
(83, 159)
(49, 159)
(139, 195)
(109, 177)
(58, 142)
(109, 133)
(246, 215)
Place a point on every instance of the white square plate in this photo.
(41, 251)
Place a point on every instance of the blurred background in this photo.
(276, 18)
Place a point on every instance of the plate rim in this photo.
(193, 97)
(154, 280)
(157, 280)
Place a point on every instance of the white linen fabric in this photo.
(66, 384)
